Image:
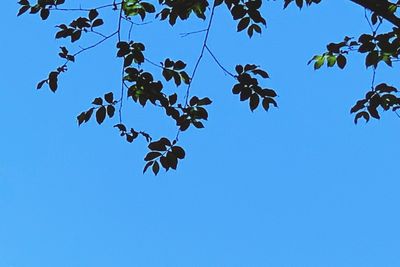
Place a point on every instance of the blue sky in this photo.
(297, 186)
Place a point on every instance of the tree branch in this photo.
(381, 8)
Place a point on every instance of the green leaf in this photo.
(319, 61)
(331, 60)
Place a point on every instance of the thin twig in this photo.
(85, 9)
(373, 78)
(219, 64)
(121, 100)
(367, 19)
(190, 33)
(200, 56)
(203, 48)
(98, 33)
(153, 63)
(83, 49)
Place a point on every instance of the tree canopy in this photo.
(145, 80)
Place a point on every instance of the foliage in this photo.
(146, 87)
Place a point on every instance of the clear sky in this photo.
(298, 186)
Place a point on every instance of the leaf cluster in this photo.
(165, 153)
(248, 87)
(42, 7)
(133, 8)
(182, 9)
(103, 107)
(382, 96)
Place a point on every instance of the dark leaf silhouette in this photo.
(156, 168)
(152, 82)
(101, 115)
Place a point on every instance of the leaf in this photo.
(201, 113)
(128, 60)
(341, 61)
(331, 61)
(165, 141)
(359, 105)
(81, 118)
(243, 23)
(185, 77)
(40, 84)
(184, 125)
(287, 2)
(250, 67)
(97, 22)
(372, 59)
(130, 138)
(88, 114)
(109, 97)
(179, 152)
(262, 73)
(319, 61)
(179, 65)
(157, 146)
(101, 115)
(152, 155)
(362, 114)
(168, 74)
(110, 111)
(172, 99)
(392, 8)
(71, 58)
(384, 88)
(250, 31)
(245, 94)
(198, 124)
(148, 7)
(256, 28)
(267, 101)
(238, 11)
(44, 13)
(76, 35)
(165, 163)
(269, 92)
(148, 164)
(254, 101)
(237, 88)
(98, 101)
(172, 159)
(374, 19)
(53, 83)
(23, 2)
(204, 101)
(239, 69)
(93, 14)
(177, 79)
(22, 10)
(194, 101)
(373, 112)
(156, 168)
(120, 127)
